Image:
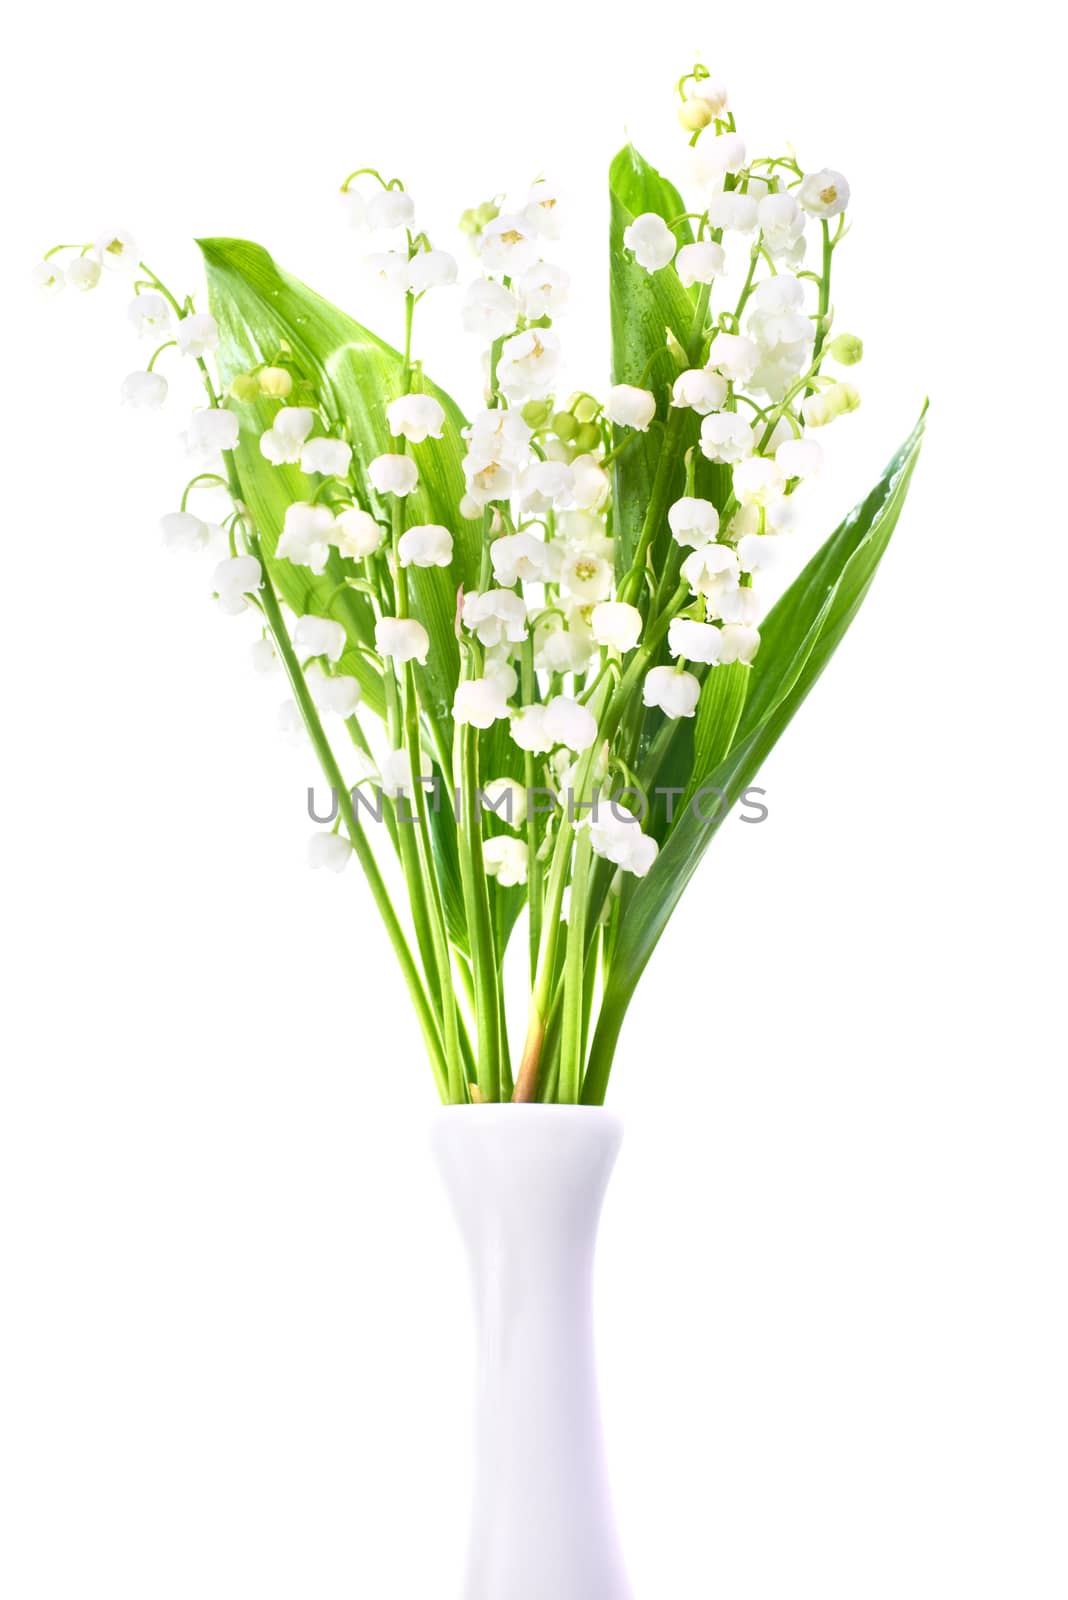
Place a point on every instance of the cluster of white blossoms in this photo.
(555, 622)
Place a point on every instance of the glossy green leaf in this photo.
(258, 308)
(644, 305)
(798, 638)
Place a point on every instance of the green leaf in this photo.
(258, 308)
(798, 638)
(644, 306)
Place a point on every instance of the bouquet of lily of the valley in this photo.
(527, 645)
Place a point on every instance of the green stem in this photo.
(574, 984)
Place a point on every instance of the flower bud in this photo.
(585, 408)
(846, 349)
(564, 426)
(837, 401)
(244, 388)
(537, 413)
(695, 115)
(587, 438)
(276, 382)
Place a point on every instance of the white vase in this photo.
(527, 1182)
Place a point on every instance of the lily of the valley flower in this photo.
(757, 481)
(396, 773)
(697, 641)
(700, 262)
(507, 800)
(509, 245)
(328, 852)
(117, 251)
(835, 401)
(391, 474)
(713, 157)
(505, 859)
(425, 545)
(540, 728)
(183, 531)
(616, 624)
(543, 290)
(732, 211)
(235, 578)
(702, 391)
(212, 429)
(49, 276)
(617, 836)
(693, 521)
(319, 636)
(489, 309)
(284, 440)
(390, 208)
(711, 569)
(629, 407)
(800, 458)
(651, 241)
(84, 272)
(528, 364)
(339, 695)
(824, 193)
(431, 269)
(197, 334)
(144, 390)
(357, 534)
(402, 639)
(734, 356)
(480, 702)
(415, 417)
(307, 534)
(740, 643)
(676, 693)
(329, 457)
(727, 437)
(521, 557)
(495, 616)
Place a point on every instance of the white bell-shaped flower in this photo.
(329, 457)
(528, 364)
(758, 552)
(263, 655)
(568, 722)
(700, 390)
(386, 269)
(542, 209)
(800, 458)
(235, 578)
(307, 534)
(427, 544)
(284, 440)
(415, 417)
(338, 696)
(616, 624)
(393, 474)
(509, 245)
(197, 334)
(713, 157)
(629, 407)
(522, 558)
(495, 616)
(489, 310)
(49, 276)
(356, 534)
(700, 262)
(731, 210)
(758, 481)
(505, 859)
(543, 290)
(83, 273)
(676, 693)
(586, 576)
(591, 483)
(824, 193)
(693, 521)
(740, 643)
(396, 774)
(711, 569)
(402, 639)
(616, 836)
(736, 604)
(837, 400)
(390, 208)
(431, 269)
(546, 486)
(291, 723)
(118, 251)
(734, 356)
(212, 430)
(145, 391)
(697, 641)
(328, 852)
(782, 222)
(183, 531)
(651, 241)
(319, 636)
(480, 702)
(150, 315)
(727, 437)
(507, 800)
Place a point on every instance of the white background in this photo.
(233, 1345)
